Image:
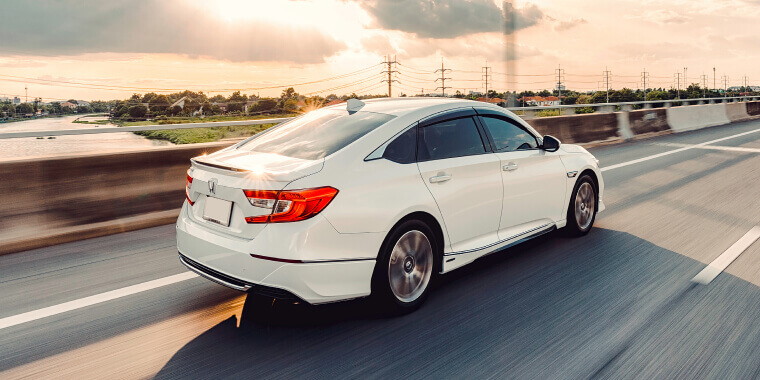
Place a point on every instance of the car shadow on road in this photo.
(550, 308)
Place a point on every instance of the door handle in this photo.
(509, 167)
(440, 178)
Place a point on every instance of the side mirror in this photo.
(551, 144)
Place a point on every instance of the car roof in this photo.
(403, 106)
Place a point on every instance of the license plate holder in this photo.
(217, 211)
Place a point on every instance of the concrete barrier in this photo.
(687, 118)
(736, 111)
(753, 108)
(648, 121)
(54, 200)
(578, 128)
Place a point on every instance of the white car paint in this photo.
(481, 208)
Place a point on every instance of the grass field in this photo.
(198, 135)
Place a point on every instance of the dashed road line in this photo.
(726, 258)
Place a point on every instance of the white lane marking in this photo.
(726, 258)
(715, 147)
(647, 158)
(92, 300)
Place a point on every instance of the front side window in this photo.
(507, 136)
(452, 138)
(317, 134)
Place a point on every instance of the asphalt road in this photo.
(618, 303)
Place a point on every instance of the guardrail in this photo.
(525, 112)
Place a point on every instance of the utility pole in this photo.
(484, 76)
(443, 78)
(606, 74)
(644, 78)
(685, 83)
(704, 85)
(390, 71)
(714, 79)
(26, 94)
(678, 85)
(560, 76)
(724, 78)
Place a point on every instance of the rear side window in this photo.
(403, 149)
(452, 138)
(317, 134)
(507, 136)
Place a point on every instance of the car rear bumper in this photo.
(227, 260)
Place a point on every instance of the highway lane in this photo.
(617, 303)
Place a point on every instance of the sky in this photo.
(91, 49)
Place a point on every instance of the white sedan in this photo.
(377, 198)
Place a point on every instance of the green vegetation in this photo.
(546, 113)
(198, 135)
(96, 122)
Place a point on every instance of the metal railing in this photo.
(526, 112)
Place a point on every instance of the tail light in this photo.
(188, 182)
(291, 205)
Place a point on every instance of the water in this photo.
(66, 145)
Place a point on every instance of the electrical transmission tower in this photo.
(390, 70)
(606, 73)
(560, 78)
(644, 79)
(26, 94)
(677, 77)
(443, 78)
(704, 85)
(485, 76)
(725, 80)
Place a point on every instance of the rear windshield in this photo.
(317, 134)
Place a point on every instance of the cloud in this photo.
(475, 47)
(562, 26)
(449, 18)
(68, 27)
(378, 44)
(664, 17)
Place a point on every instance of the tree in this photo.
(218, 99)
(138, 111)
(55, 108)
(24, 108)
(290, 105)
(159, 103)
(236, 102)
(207, 108)
(544, 93)
(148, 97)
(263, 105)
(174, 111)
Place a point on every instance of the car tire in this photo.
(405, 268)
(584, 203)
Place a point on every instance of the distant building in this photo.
(16, 100)
(497, 101)
(69, 105)
(83, 103)
(222, 106)
(5, 100)
(540, 101)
